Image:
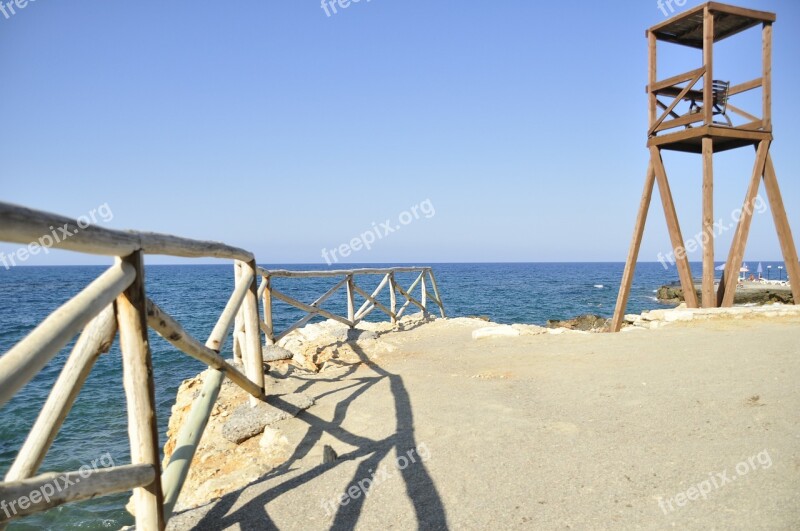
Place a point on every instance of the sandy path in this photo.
(546, 432)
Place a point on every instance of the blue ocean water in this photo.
(196, 294)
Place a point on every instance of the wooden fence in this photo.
(268, 293)
(117, 302)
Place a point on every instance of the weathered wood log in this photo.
(172, 331)
(374, 303)
(337, 273)
(57, 488)
(409, 298)
(137, 379)
(423, 293)
(351, 311)
(310, 316)
(95, 339)
(24, 225)
(217, 338)
(368, 306)
(20, 364)
(435, 288)
(237, 322)
(188, 440)
(392, 298)
(265, 292)
(253, 360)
(308, 308)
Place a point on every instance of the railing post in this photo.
(423, 294)
(393, 297)
(237, 322)
(351, 310)
(254, 360)
(267, 303)
(436, 292)
(137, 371)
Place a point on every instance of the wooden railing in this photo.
(268, 292)
(117, 302)
(674, 88)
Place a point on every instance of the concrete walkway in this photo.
(695, 426)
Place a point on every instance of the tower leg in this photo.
(727, 289)
(782, 226)
(681, 260)
(633, 252)
(709, 297)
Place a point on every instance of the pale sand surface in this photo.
(571, 431)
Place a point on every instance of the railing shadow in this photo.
(420, 488)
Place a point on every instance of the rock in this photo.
(751, 293)
(275, 353)
(355, 334)
(272, 440)
(306, 361)
(246, 421)
(678, 315)
(586, 323)
(529, 330)
(670, 294)
(495, 331)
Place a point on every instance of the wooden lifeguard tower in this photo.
(705, 128)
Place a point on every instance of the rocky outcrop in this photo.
(659, 318)
(584, 323)
(748, 294)
(500, 330)
(246, 421)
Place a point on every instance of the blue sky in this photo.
(271, 126)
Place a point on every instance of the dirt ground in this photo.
(695, 425)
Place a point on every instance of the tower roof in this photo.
(687, 28)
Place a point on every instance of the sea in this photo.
(96, 429)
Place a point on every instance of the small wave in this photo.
(599, 286)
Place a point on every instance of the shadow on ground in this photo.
(428, 507)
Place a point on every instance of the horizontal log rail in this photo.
(269, 293)
(275, 273)
(670, 82)
(24, 225)
(67, 487)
